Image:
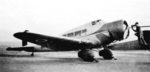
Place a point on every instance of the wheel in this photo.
(80, 54)
(106, 53)
(86, 55)
(32, 54)
(101, 52)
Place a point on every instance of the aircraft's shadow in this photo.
(38, 59)
(49, 59)
(74, 60)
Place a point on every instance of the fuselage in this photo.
(100, 32)
(94, 35)
(84, 38)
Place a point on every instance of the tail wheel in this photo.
(86, 55)
(32, 54)
(106, 53)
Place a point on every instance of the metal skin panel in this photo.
(104, 39)
(116, 29)
(103, 36)
(55, 43)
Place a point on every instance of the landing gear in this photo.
(32, 54)
(106, 54)
(87, 55)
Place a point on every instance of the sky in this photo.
(53, 17)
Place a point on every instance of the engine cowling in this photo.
(118, 29)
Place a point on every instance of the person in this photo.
(136, 28)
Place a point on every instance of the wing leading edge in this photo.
(55, 43)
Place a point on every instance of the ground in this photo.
(127, 61)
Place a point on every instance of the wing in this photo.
(55, 43)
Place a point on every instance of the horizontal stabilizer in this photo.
(29, 49)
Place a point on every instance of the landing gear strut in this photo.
(106, 54)
(32, 54)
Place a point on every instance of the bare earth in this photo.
(127, 61)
